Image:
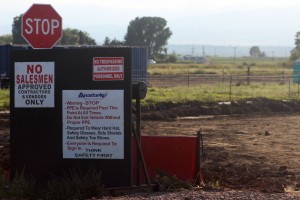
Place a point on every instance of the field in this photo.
(251, 138)
(251, 142)
(219, 66)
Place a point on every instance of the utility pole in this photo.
(234, 54)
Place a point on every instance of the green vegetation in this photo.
(6, 39)
(219, 66)
(295, 53)
(18, 188)
(217, 91)
(151, 32)
(73, 185)
(251, 61)
(4, 99)
(221, 92)
(76, 185)
(261, 66)
(69, 36)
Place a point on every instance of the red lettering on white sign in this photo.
(108, 68)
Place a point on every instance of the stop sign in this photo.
(41, 26)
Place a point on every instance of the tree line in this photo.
(151, 32)
(69, 36)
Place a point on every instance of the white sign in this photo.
(93, 124)
(108, 68)
(34, 84)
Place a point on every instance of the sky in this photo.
(195, 22)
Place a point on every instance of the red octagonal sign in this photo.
(41, 26)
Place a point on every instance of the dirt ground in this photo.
(253, 149)
(260, 152)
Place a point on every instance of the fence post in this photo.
(222, 75)
(298, 84)
(248, 75)
(199, 159)
(283, 74)
(289, 89)
(230, 83)
(188, 77)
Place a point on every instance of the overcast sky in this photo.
(207, 22)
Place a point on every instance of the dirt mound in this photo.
(167, 110)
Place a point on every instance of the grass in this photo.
(221, 92)
(74, 184)
(4, 99)
(18, 188)
(262, 66)
(218, 91)
(206, 93)
(248, 60)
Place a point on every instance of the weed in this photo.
(217, 185)
(76, 185)
(73, 185)
(4, 99)
(171, 184)
(20, 187)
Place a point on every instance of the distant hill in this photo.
(227, 51)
